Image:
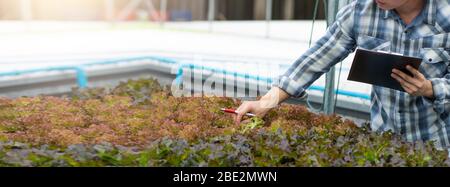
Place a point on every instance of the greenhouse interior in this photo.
(182, 83)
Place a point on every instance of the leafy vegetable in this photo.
(255, 122)
(139, 123)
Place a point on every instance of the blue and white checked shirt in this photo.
(362, 24)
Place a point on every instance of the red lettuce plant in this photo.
(139, 123)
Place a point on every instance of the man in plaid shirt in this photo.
(411, 27)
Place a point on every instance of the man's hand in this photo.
(417, 85)
(254, 107)
(274, 97)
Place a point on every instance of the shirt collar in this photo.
(428, 13)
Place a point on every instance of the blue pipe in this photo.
(342, 92)
(82, 79)
(81, 76)
(80, 73)
(159, 59)
(225, 72)
(179, 77)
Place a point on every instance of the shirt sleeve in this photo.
(441, 89)
(332, 48)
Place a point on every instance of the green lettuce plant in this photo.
(139, 123)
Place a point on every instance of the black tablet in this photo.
(375, 67)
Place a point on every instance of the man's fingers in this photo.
(246, 120)
(406, 78)
(414, 71)
(241, 112)
(408, 90)
(240, 107)
(237, 118)
(403, 82)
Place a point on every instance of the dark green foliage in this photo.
(139, 123)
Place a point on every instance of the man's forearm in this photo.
(273, 98)
(429, 90)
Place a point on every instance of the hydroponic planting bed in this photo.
(139, 123)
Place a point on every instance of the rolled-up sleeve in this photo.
(337, 43)
(441, 89)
